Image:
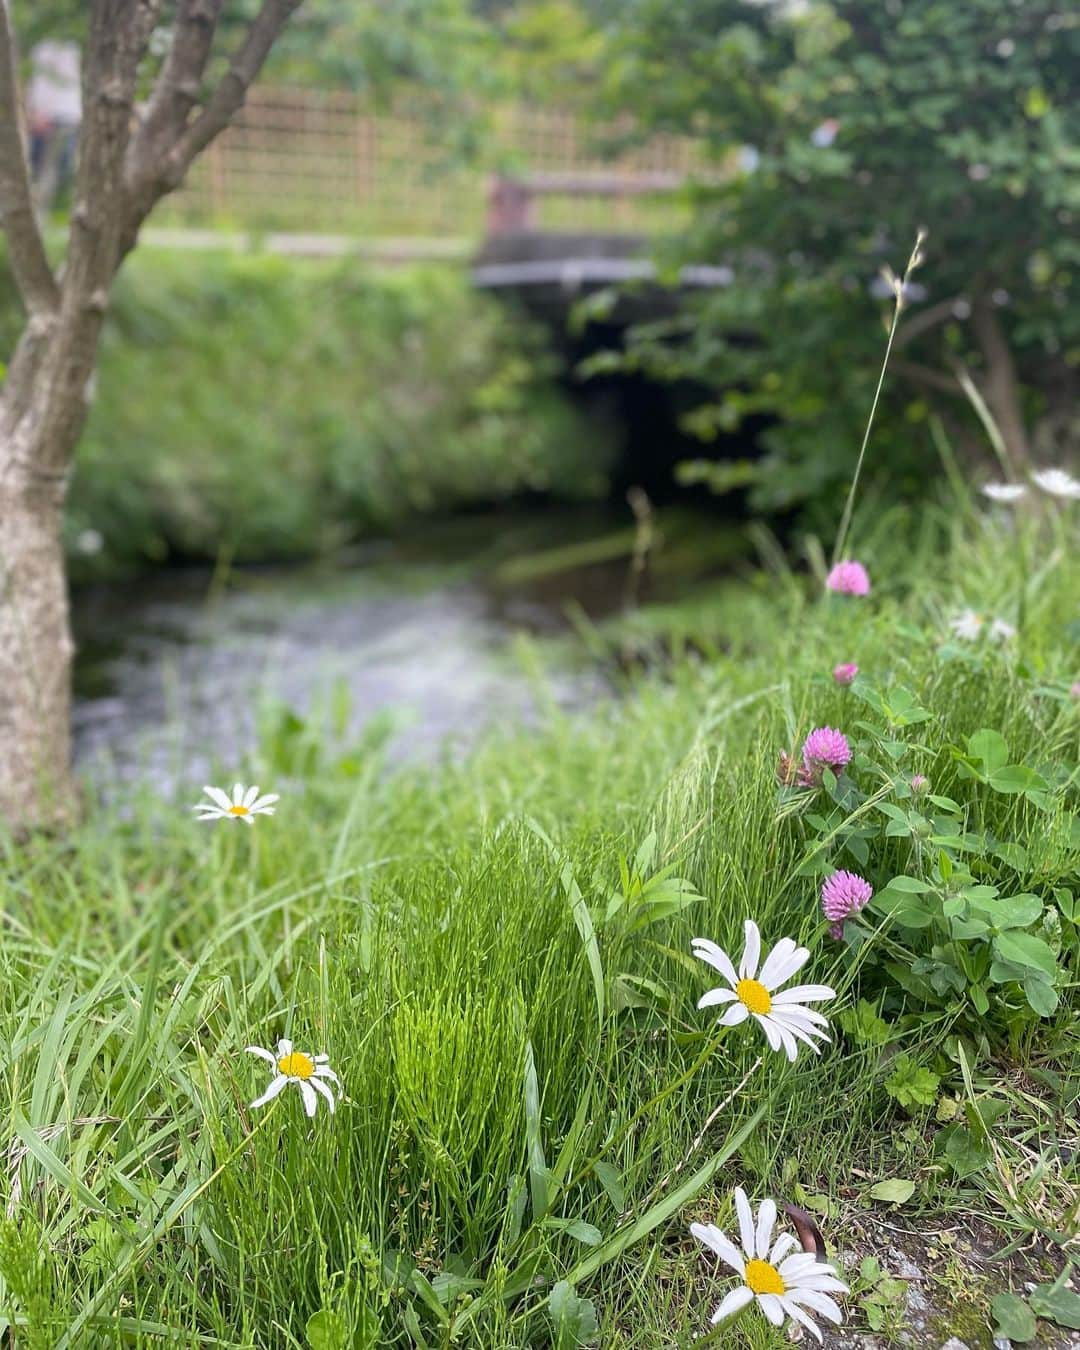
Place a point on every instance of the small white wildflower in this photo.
(781, 1016)
(1004, 492)
(784, 1281)
(244, 804)
(971, 625)
(1057, 482)
(308, 1072)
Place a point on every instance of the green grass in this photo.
(416, 926)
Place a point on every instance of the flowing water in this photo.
(171, 672)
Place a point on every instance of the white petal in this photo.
(782, 962)
(797, 1315)
(804, 993)
(765, 1221)
(820, 1303)
(284, 1048)
(796, 1033)
(219, 796)
(787, 1040)
(772, 1035)
(746, 1220)
(237, 795)
(248, 819)
(783, 1244)
(321, 1088)
(325, 1071)
(738, 1012)
(751, 951)
(715, 996)
(268, 1055)
(796, 1014)
(711, 1236)
(276, 1085)
(250, 795)
(267, 799)
(708, 951)
(308, 1094)
(798, 1264)
(773, 1309)
(732, 1303)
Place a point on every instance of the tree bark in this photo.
(43, 400)
(1000, 383)
(35, 648)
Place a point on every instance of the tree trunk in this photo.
(35, 650)
(1001, 384)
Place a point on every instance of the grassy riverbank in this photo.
(333, 402)
(529, 1092)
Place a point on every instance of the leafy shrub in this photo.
(272, 408)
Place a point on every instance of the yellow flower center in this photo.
(238, 811)
(296, 1065)
(754, 994)
(764, 1278)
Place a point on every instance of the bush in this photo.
(271, 409)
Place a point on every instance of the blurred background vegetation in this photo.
(824, 136)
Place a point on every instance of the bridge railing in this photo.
(513, 202)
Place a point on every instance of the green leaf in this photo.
(893, 1192)
(1014, 911)
(910, 1084)
(1017, 778)
(1042, 997)
(611, 1179)
(1025, 949)
(965, 1152)
(1014, 1318)
(990, 748)
(539, 1176)
(326, 1330)
(909, 885)
(1057, 1304)
(573, 1318)
(577, 1229)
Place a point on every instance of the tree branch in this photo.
(33, 275)
(926, 375)
(228, 98)
(925, 319)
(177, 88)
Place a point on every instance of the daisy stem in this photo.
(721, 1330)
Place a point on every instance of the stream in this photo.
(171, 671)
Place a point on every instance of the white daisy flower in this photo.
(782, 1016)
(1004, 492)
(294, 1066)
(1057, 482)
(242, 805)
(971, 625)
(784, 1281)
(967, 625)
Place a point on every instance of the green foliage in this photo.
(270, 409)
(869, 121)
(910, 1085)
(1014, 1319)
(502, 1133)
